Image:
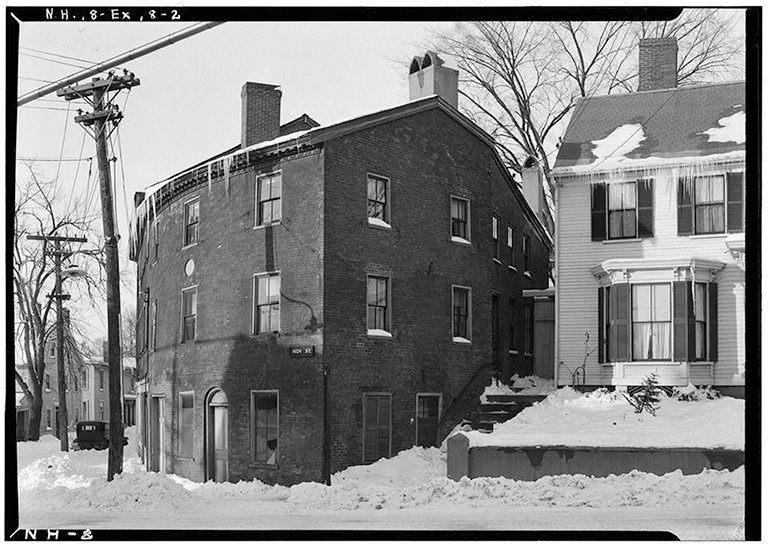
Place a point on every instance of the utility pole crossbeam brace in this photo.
(59, 296)
(104, 112)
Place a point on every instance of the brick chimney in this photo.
(531, 186)
(657, 63)
(428, 76)
(260, 113)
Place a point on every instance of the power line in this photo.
(35, 80)
(53, 159)
(57, 55)
(51, 60)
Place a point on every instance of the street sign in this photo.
(302, 351)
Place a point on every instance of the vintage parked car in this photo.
(93, 434)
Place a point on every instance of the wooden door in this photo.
(428, 409)
(217, 455)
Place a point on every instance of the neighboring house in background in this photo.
(49, 417)
(129, 391)
(650, 232)
(324, 296)
(95, 402)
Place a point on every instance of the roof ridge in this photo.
(668, 89)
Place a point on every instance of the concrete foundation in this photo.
(531, 463)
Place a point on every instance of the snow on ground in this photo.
(532, 385)
(415, 479)
(604, 418)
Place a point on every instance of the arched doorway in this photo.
(216, 436)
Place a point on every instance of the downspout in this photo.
(556, 292)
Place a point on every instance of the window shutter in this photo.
(600, 344)
(713, 321)
(623, 352)
(684, 322)
(644, 196)
(735, 202)
(684, 207)
(599, 212)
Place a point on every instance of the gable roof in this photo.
(661, 126)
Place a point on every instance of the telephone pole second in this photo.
(105, 111)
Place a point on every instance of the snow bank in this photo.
(604, 418)
(406, 468)
(532, 385)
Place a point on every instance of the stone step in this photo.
(491, 407)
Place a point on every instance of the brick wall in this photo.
(427, 158)
(225, 354)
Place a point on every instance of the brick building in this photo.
(324, 296)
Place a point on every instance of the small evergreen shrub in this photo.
(647, 398)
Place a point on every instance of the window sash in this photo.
(459, 218)
(496, 236)
(460, 312)
(377, 198)
(191, 216)
(265, 436)
(189, 313)
(267, 303)
(377, 303)
(186, 415)
(525, 250)
(269, 192)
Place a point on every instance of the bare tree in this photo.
(128, 332)
(521, 80)
(43, 208)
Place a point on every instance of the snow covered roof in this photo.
(655, 127)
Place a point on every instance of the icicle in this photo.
(209, 169)
(154, 215)
(227, 176)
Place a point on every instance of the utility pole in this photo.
(104, 110)
(59, 296)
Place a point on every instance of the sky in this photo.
(188, 106)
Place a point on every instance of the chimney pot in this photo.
(428, 76)
(657, 63)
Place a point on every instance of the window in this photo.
(658, 321)
(651, 322)
(154, 325)
(269, 190)
(496, 328)
(511, 251)
(460, 212)
(377, 309)
(101, 410)
(267, 303)
(525, 251)
(48, 418)
(191, 218)
(77, 417)
(53, 349)
(101, 379)
(377, 426)
(264, 420)
(85, 378)
(711, 204)
(85, 410)
(189, 313)
(512, 346)
(528, 328)
(377, 202)
(48, 382)
(461, 315)
(157, 241)
(622, 210)
(185, 425)
(495, 237)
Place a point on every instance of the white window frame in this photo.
(457, 239)
(460, 339)
(380, 333)
(375, 222)
(257, 181)
(186, 245)
(253, 428)
(181, 313)
(255, 292)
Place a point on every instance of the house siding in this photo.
(577, 304)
